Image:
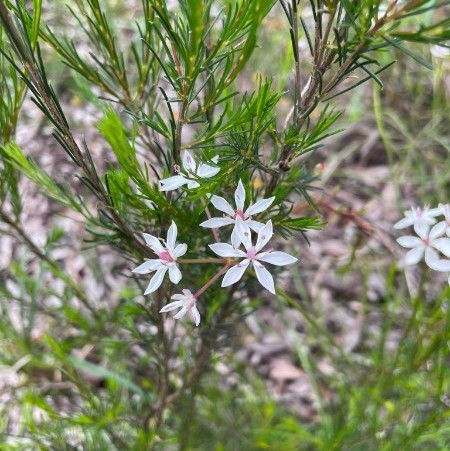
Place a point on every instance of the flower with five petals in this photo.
(232, 214)
(420, 218)
(185, 302)
(252, 255)
(191, 171)
(166, 261)
(427, 244)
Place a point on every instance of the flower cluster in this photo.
(240, 217)
(432, 242)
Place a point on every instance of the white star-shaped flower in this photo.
(167, 254)
(420, 218)
(186, 302)
(427, 243)
(252, 255)
(191, 172)
(239, 196)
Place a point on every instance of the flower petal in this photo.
(414, 256)
(179, 250)
(172, 236)
(442, 245)
(215, 223)
(276, 258)
(422, 228)
(147, 267)
(188, 161)
(206, 171)
(254, 225)
(192, 184)
(241, 234)
(174, 274)
(181, 313)
(235, 273)
(410, 241)
(226, 250)
(156, 281)
(221, 204)
(195, 315)
(259, 206)
(438, 230)
(264, 235)
(264, 277)
(172, 183)
(154, 243)
(403, 223)
(239, 196)
(172, 306)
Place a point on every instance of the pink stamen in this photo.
(426, 241)
(176, 168)
(165, 256)
(239, 213)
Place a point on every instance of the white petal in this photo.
(441, 265)
(195, 315)
(215, 223)
(174, 274)
(403, 223)
(242, 234)
(154, 243)
(259, 206)
(433, 212)
(254, 225)
(147, 267)
(264, 277)
(235, 239)
(449, 279)
(181, 313)
(172, 236)
(192, 184)
(276, 258)
(431, 257)
(171, 306)
(438, 230)
(422, 228)
(264, 235)
(221, 204)
(225, 250)
(172, 183)
(235, 273)
(414, 256)
(442, 245)
(179, 250)
(188, 161)
(410, 241)
(239, 196)
(156, 281)
(206, 171)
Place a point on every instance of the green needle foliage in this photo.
(171, 82)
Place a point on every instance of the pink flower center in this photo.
(239, 213)
(165, 256)
(176, 168)
(251, 253)
(426, 241)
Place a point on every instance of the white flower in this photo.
(252, 255)
(445, 211)
(190, 174)
(186, 302)
(419, 218)
(167, 259)
(239, 196)
(427, 243)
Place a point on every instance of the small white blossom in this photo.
(252, 255)
(239, 196)
(191, 172)
(427, 243)
(445, 211)
(420, 218)
(167, 254)
(186, 302)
